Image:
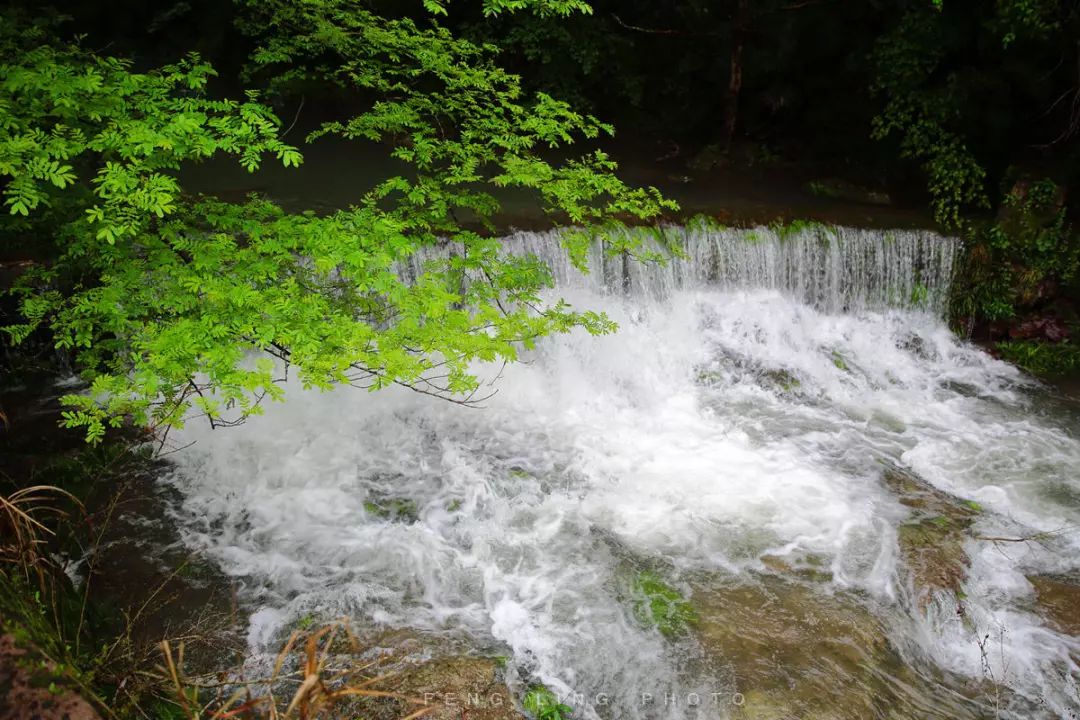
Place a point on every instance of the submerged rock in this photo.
(933, 551)
(932, 540)
(811, 568)
(1059, 600)
(794, 651)
(789, 649)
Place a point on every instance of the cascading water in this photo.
(734, 437)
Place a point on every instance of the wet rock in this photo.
(793, 651)
(932, 539)
(1059, 600)
(788, 647)
(458, 687)
(933, 551)
(418, 668)
(916, 493)
(782, 379)
(914, 344)
(1042, 327)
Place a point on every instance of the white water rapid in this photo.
(734, 433)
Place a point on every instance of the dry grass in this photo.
(23, 534)
(307, 681)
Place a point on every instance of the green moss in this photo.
(393, 509)
(838, 361)
(543, 704)
(796, 227)
(783, 379)
(660, 605)
(705, 223)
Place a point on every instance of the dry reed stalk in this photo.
(318, 690)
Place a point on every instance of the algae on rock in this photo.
(932, 540)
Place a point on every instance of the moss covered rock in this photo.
(393, 509)
(660, 605)
(423, 669)
(932, 540)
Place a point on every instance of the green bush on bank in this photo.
(1028, 254)
(1044, 359)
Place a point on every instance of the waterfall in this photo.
(738, 423)
(834, 269)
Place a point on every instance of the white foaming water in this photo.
(743, 410)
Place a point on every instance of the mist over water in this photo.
(745, 410)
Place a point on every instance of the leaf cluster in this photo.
(178, 306)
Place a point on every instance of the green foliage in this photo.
(660, 605)
(543, 8)
(923, 114)
(919, 295)
(73, 120)
(543, 704)
(957, 82)
(180, 307)
(1041, 358)
(565, 57)
(1008, 264)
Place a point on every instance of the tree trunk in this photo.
(738, 40)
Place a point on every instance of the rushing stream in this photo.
(736, 438)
